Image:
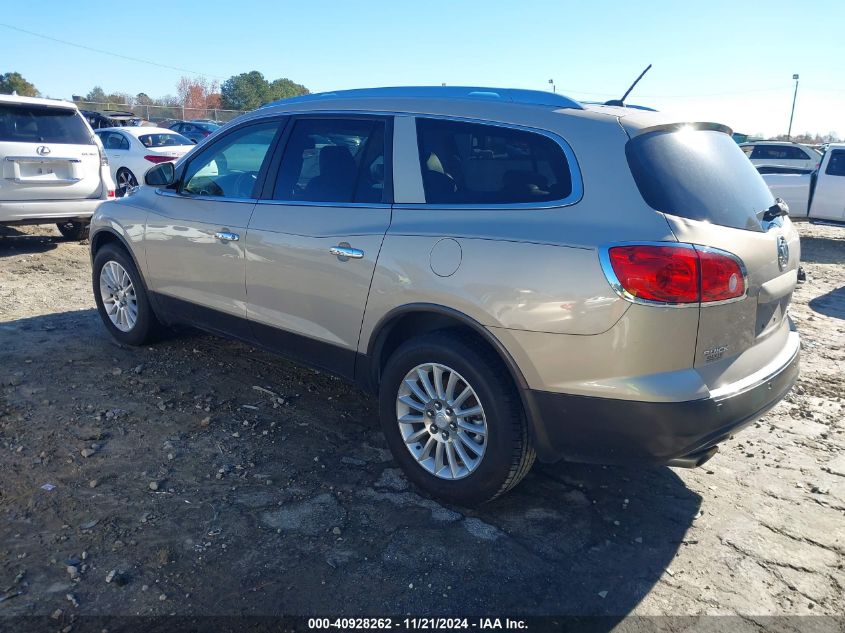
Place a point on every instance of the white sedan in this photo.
(134, 150)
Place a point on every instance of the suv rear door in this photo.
(48, 152)
(829, 196)
(314, 239)
(711, 195)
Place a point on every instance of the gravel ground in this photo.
(200, 476)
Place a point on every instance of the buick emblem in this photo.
(783, 253)
(42, 150)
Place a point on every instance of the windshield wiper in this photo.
(778, 209)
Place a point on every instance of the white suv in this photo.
(53, 167)
(782, 153)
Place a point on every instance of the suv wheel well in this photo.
(102, 238)
(413, 324)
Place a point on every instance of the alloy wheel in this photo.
(442, 421)
(118, 294)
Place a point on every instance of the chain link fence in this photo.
(159, 113)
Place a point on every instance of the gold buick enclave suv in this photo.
(515, 274)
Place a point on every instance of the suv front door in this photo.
(195, 234)
(314, 238)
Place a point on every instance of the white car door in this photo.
(829, 198)
(116, 147)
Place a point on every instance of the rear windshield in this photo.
(698, 174)
(163, 140)
(43, 124)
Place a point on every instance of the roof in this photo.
(56, 103)
(139, 130)
(502, 95)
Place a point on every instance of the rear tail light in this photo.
(110, 193)
(154, 158)
(676, 274)
(104, 160)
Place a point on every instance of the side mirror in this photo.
(161, 175)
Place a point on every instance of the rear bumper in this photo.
(612, 431)
(47, 211)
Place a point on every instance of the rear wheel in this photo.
(121, 297)
(73, 230)
(453, 419)
(125, 180)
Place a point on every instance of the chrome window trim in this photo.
(174, 194)
(314, 203)
(613, 280)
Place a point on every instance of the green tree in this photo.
(96, 95)
(246, 91)
(284, 88)
(14, 82)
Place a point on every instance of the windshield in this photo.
(698, 174)
(210, 127)
(163, 140)
(43, 124)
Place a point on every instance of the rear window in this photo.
(163, 140)
(43, 124)
(778, 152)
(698, 174)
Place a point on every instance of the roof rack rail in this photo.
(507, 95)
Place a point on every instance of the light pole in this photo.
(792, 114)
(552, 81)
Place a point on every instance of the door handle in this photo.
(227, 237)
(345, 252)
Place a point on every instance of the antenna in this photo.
(621, 102)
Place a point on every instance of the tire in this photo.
(125, 179)
(507, 453)
(145, 326)
(74, 230)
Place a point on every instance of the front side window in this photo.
(43, 124)
(480, 164)
(229, 168)
(333, 160)
(836, 164)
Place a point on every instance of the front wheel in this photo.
(453, 419)
(121, 297)
(73, 230)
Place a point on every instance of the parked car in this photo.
(782, 153)
(133, 150)
(815, 194)
(53, 169)
(111, 118)
(514, 274)
(194, 130)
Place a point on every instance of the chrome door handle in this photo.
(227, 237)
(346, 252)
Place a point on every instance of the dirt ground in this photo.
(200, 476)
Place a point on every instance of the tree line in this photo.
(246, 91)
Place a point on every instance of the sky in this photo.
(725, 61)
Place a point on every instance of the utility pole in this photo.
(554, 88)
(792, 114)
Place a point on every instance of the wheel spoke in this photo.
(450, 386)
(410, 418)
(468, 461)
(416, 437)
(425, 453)
(409, 401)
(437, 371)
(478, 429)
(468, 412)
(415, 389)
(450, 455)
(426, 383)
(478, 449)
(438, 458)
(466, 393)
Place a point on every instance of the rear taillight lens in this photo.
(675, 274)
(722, 277)
(153, 158)
(110, 193)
